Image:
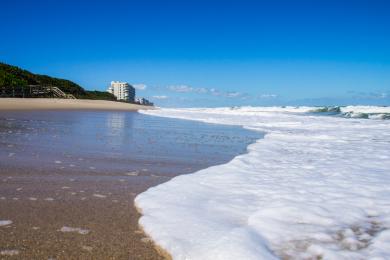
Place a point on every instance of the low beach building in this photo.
(122, 90)
(143, 101)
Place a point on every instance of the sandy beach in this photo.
(65, 104)
(68, 179)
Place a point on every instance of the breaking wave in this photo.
(365, 112)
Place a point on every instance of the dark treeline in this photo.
(12, 76)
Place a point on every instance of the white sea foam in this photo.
(9, 252)
(132, 173)
(99, 196)
(314, 187)
(5, 222)
(366, 109)
(87, 248)
(81, 231)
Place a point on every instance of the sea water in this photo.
(114, 142)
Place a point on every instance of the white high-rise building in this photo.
(122, 90)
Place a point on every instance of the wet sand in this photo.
(99, 210)
(65, 104)
(68, 179)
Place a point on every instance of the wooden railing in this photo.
(34, 91)
(60, 94)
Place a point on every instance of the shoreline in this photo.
(69, 178)
(22, 104)
(159, 249)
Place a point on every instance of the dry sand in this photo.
(65, 104)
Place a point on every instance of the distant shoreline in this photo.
(15, 104)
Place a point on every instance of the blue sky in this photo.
(209, 53)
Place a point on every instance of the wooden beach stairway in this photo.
(59, 93)
(34, 91)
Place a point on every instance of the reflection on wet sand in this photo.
(120, 129)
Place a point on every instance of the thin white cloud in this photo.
(201, 90)
(369, 95)
(233, 94)
(268, 96)
(215, 92)
(229, 94)
(140, 86)
(160, 97)
(180, 88)
(210, 91)
(186, 89)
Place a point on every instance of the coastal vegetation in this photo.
(15, 77)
